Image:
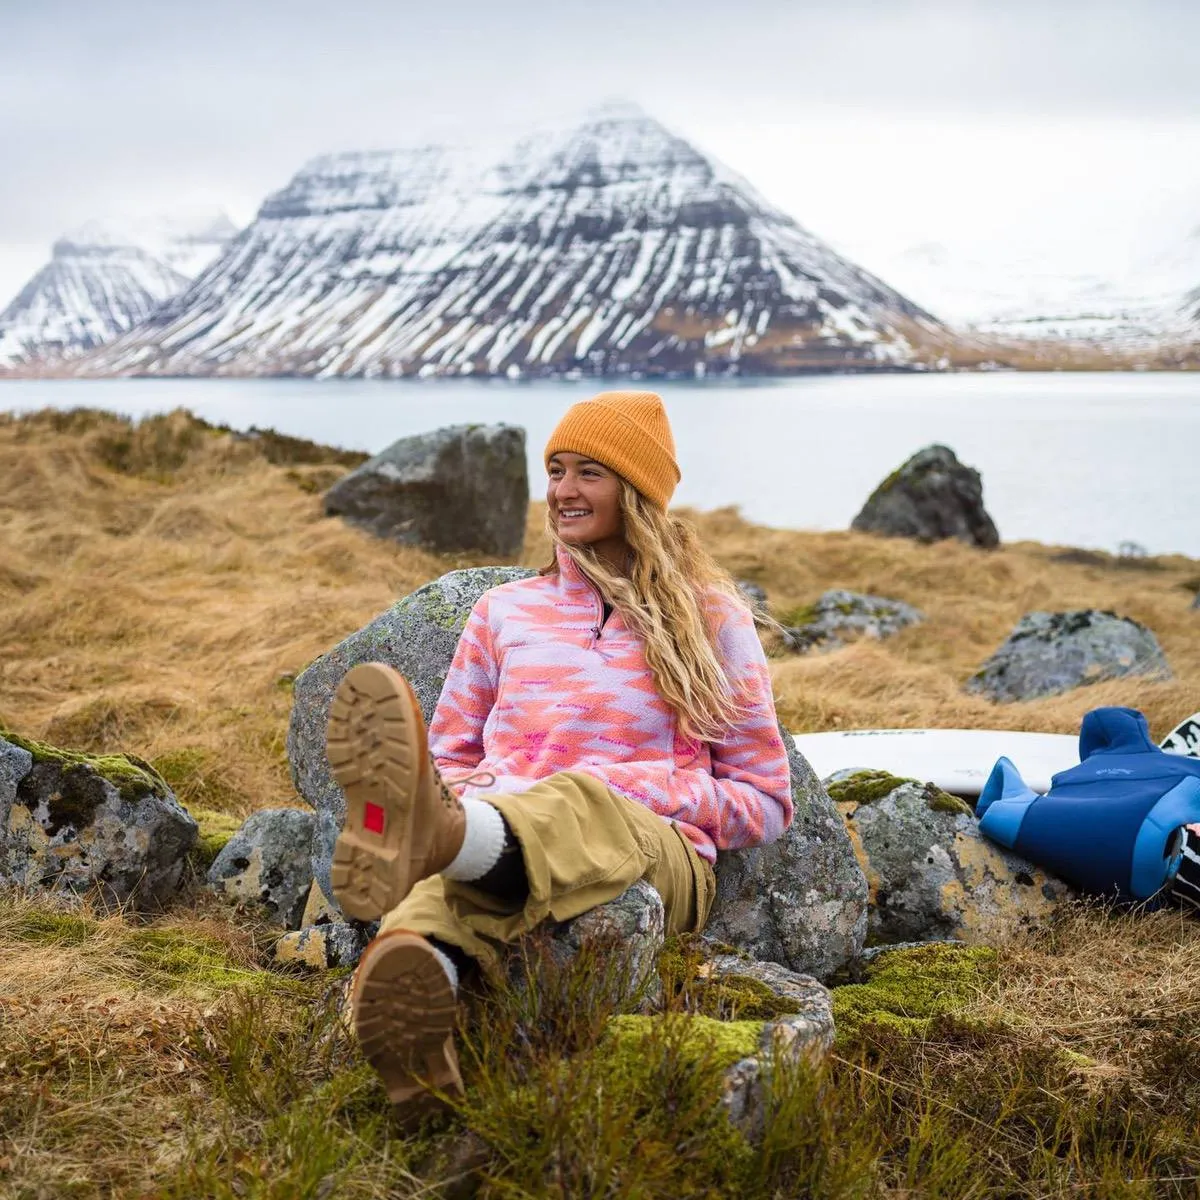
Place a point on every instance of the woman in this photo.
(607, 721)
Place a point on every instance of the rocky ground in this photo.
(160, 591)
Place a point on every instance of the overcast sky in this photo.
(1071, 127)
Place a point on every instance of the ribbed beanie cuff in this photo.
(627, 432)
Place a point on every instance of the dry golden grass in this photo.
(158, 589)
(1120, 989)
(163, 611)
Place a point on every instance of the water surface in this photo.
(1078, 459)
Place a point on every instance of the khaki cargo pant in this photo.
(583, 845)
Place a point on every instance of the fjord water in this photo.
(1089, 460)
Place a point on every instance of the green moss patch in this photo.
(216, 828)
(907, 989)
(162, 958)
(794, 618)
(707, 1040)
(45, 928)
(946, 802)
(691, 988)
(866, 787)
(171, 958)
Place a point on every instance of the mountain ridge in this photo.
(103, 279)
(613, 248)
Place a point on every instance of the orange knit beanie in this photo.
(627, 432)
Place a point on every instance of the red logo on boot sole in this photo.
(373, 818)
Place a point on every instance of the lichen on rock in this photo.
(267, 864)
(74, 822)
(930, 872)
(1049, 653)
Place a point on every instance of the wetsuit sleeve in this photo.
(467, 697)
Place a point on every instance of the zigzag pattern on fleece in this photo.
(536, 687)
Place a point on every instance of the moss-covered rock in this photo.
(133, 777)
(931, 873)
(80, 821)
(865, 787)
(705, 1039)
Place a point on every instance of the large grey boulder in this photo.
(464, 487)
(74, 822)
(802, 900)
(267, 864)
(932, 875)
(931, 497)
(625, 935)
(1049, 653)
(417, 636)
(840, 616)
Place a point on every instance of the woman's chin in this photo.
(573, 537)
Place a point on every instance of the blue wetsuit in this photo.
(1108, 826)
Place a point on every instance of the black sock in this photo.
(506, 878)
(462, 961)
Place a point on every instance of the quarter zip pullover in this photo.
(541, 682)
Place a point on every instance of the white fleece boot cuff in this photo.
(482, 844)
(447, 964)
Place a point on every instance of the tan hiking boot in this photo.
(402, 822)
(404, 1008)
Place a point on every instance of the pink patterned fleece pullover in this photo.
(540, 683)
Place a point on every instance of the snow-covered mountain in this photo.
(102, 280)
(1139, 308)
(614, 246)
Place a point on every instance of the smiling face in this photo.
(585, 504)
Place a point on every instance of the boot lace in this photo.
(452, 791)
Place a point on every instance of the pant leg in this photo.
(582, 846)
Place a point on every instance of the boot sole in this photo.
(376, 746)
(404, 1016)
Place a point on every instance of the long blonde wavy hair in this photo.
(662, 598)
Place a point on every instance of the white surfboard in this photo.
(957, 760)
(1184, 738)
(960, 760)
